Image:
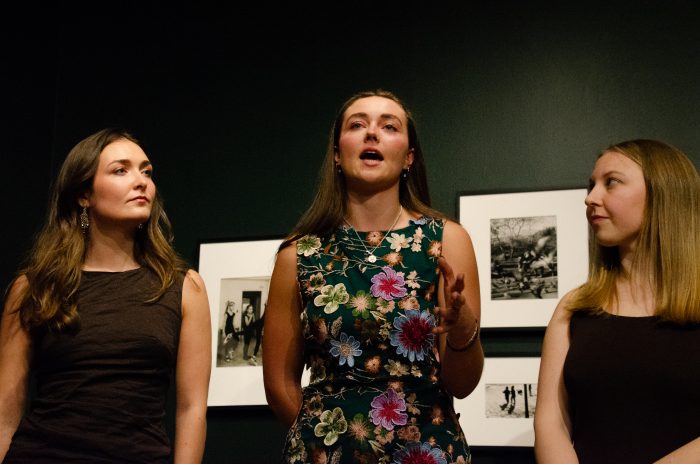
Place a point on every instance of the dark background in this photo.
(233, 105)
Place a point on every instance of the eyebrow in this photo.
(366, 116)
(608, 173)
(143, 163)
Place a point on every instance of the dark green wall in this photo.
(234, 106)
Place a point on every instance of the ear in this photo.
(409, 159)
(336, 155)
(84, 200)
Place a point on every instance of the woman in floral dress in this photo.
(378, 295)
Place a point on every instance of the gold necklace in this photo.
(370, 254)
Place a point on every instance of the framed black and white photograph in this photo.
(500, 411)
(237, 277)
(531, 249)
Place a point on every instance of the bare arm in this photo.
(459, 310)
(686, 454)
(15, 353)
(192, 372)
(282, 342)
(552, 422)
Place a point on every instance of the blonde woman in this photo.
(619, 378)
(101, 315)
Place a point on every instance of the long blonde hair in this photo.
(54, 265)
(328, 207)
(668, 248)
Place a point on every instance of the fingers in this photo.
(445, 270)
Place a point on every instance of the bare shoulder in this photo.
(287, 257)
(562, 313)
(455, 239)
(454, 230)
(193, 282)
(16, 292)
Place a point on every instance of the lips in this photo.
(371, 155)
(140, 198)
(595, 219)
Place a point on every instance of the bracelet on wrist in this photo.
(468, 344)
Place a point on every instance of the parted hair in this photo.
(328, 207)
(53, 268)
(668, 248)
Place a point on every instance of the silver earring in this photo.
(84, 219)
(140, 226)
(405, 173)
(339, 169)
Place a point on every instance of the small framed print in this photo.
(237, 277)
(531, 249)
(501, 410)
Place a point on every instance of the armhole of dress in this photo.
(297, 260)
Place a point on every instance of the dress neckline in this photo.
(113, 272)
(420, 221)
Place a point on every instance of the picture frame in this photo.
(491, 417)
(237, 274)
(531, 249)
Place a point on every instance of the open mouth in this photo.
(371, 155)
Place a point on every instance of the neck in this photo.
(375, 212)
(110, 250)
(634, 287)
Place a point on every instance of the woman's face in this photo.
(373, 145)
(616, 202)
(123, 189)
(249, 309)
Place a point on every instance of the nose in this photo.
(593, 197)
(372, 133)
(140, 181)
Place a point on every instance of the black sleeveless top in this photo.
(634, 387)
(101, 391)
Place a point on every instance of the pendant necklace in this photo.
(370, 254)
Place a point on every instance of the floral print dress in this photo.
(374, 395)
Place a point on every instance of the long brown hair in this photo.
(668, 249)
(328, 207)
(55, 261)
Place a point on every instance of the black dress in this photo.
(101, 392)
(634, 387)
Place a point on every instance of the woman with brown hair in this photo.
(362, 293)
(619, 378)
(101, 315)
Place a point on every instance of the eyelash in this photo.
(147, 172)
(390, 127)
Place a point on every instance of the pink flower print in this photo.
(387, 410)
(416, 452)
(388, 284)
(413, 336)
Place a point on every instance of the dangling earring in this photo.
(339, 169)
(140, 226)
(84, 219)
(405, 173)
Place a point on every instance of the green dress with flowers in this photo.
(374, 395)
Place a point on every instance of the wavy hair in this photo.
(328, 207)
(668, 249)
(54, 264)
